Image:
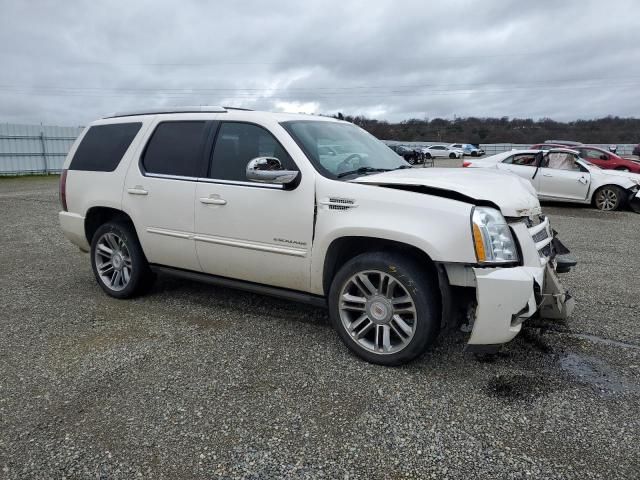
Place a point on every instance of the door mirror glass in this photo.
(269, 170)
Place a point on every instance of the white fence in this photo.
(34, 148)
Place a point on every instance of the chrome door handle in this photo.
(547, 175)
(213, 201)
(137, 190)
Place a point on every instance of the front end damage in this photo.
(505, 297)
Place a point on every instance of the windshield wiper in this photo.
(401, 167)
(362, 170)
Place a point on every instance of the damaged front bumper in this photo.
(506, 297)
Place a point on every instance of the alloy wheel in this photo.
(378, 312)
(607, 199)
(113, 261)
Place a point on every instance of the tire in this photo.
(411, 160)
(452, 155)
(608, 198)
(383, 338)
(474, 154)
(428, 156)
(120, 237)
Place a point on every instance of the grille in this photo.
(541, 234)
(538, 237)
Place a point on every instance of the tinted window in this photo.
(176, 148)
(237, 143)
(103, 146)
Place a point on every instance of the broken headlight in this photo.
(492, 237)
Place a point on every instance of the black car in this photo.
(409, 154)
(636, 150)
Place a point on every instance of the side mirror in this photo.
(269, 170)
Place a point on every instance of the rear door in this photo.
(160, 188)
(521, 164)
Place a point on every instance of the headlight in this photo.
(492, 237)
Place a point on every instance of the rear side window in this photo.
(103, 146)
(237, 143)
(176, 148)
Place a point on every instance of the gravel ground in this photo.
(193, 381)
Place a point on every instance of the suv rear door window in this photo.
(103, 146)
(176, 148)
(238, 143)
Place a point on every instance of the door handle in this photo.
(583, 180)
(213, 200)
(137, 190)
(547, 175)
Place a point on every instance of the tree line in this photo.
(502, 130)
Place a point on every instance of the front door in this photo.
(562, 178)
(251, 231)
(160, 188)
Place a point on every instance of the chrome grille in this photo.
(541, 234)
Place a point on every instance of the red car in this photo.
(598, 156)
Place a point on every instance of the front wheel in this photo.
(608, 198)
(385, 308)
(452, 155)
(118, 262)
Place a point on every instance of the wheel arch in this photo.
(343, 249)
(97, 216)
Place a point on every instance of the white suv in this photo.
(254, 200)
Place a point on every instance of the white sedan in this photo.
(435, 151)
(561, 175)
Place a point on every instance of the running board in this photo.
(284, 293)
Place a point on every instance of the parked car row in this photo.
(563, 174)
(418, 154)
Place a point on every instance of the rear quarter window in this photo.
(103, 146)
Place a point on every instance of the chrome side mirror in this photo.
(269, 170)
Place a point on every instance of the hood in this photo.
(514, 196)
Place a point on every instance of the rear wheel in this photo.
(385, 308)
(608, 198)
(118, 262)
(474, 153)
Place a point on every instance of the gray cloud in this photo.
(70, 62)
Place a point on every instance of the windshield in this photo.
(352, 151)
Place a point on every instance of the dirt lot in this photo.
(199, 382)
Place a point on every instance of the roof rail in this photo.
(155, 111)
(238, 108)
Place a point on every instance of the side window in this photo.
(527, 160)
(237, 144)
(103, 146)
(176, 148)
(590, 153)
(560, 161)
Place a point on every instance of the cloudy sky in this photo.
(69, 62)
